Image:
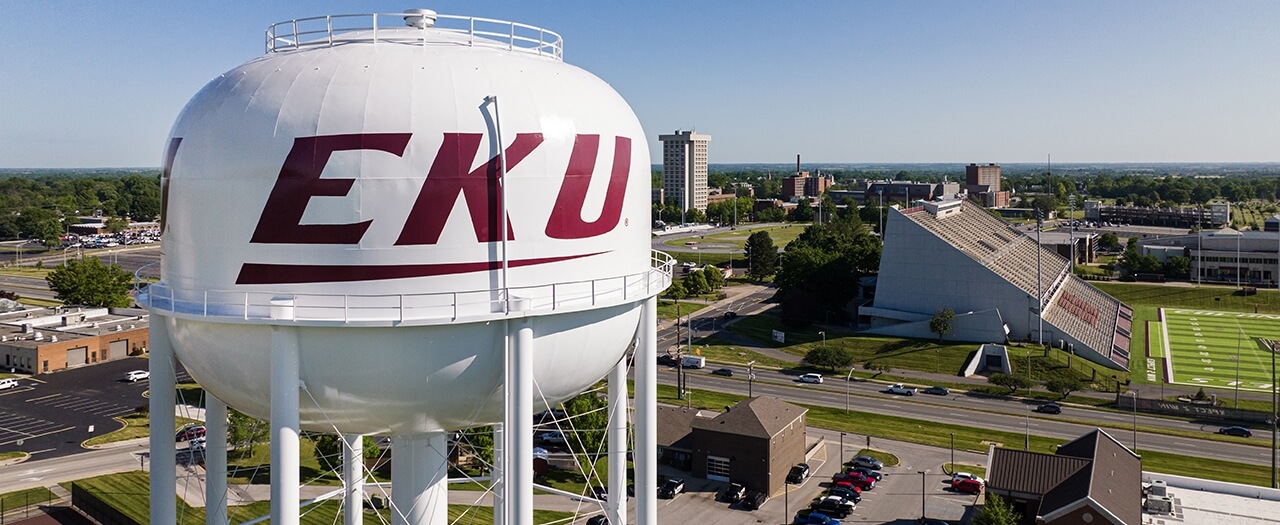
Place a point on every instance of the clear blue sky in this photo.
(97, 84)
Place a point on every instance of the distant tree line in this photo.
(40, 207)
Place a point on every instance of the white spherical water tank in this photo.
(349, 184)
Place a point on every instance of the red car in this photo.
(189, 433)
(970, 486)
(855, 479)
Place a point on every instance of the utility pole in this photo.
(880, 192)
(1071, 229)
(1039, 285)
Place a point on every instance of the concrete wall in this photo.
(977, 327)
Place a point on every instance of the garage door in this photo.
(77, 357)
(717, 468)
(118, 350)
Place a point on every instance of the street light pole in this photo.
(953, 452)
(1135, 421)
(1026, 440)
(880, 192)
(847, 379)
(842, 450)
(824, 338)
(1039, 292)
(1239, 336)
(751, 376)
(922, 474)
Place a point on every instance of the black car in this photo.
(868, 473)
(727, 372)
(1236, 431)
(753, 500)
(599, 519)
(1049, 408)
(733, 493)
(672, 487)
(667, 359)
(731, 315)
(937, 391)
(846, 493)
(832, 508)
(798, 473)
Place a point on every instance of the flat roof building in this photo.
(684, 169)
(43, 340)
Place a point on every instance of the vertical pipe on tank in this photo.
(502, 207)
(519, 426)
(419, 479)
(496, 483)
(284, 426)
(352, 479)
(617, 504)
(164, 482)
(215, 461)
(646, 402)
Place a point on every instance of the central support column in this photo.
(215, 461)
(352, 479)
(646, 407)
(496, 474)
(420, 479)
(284, 426)
(617, 504)
(164, 461)
(519, 428)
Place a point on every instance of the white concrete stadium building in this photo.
(954, 254)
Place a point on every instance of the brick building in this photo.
(42, 340)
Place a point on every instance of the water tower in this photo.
(404, 224)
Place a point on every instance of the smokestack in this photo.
(797, 164)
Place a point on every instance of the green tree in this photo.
(1178, 266)
(677, 290)
(803, 212)
(89, 282)
(116, 224)
(244, 431)
(1109, 241)
(1064, 386)
(693, 215)
(829, 357)
(762, 256)
(821, 269)
(590, 415)
(713, 277)
(771, 215)
(479, 442)
(328, 449)
(996, 511)
(696, 283)
(1010, 381)
(941, 322)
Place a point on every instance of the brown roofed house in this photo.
(1093, 479)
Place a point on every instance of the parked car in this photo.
(189, 433)
(137, 375)
(1236, 431)
(667, 359)
(900, 389)
(727, 372)
(798, 473)
(869, 473)
(849, 493)
(833, 506)
(598, 519)
(754, 500)
(965, 475)
(867, 462)
(196, 444)
(554, 436)
(1049, 408)
(937, 391)
(731, 315)
(672, 487)
(854, 480)
(810, 378)
(600, 492)
(969, 486)
(806, 516)
(6, 384)
(733, 493)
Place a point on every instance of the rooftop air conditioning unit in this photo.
(39, 337)
(1160, 504)
(1159, 488)
(53, 339)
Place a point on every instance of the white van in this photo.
(694, 361)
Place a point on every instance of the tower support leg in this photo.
(215, 461)
(164, 461)
(420, 479)
(617, 504)
(285, 476)
(353, 479)
(646, 407)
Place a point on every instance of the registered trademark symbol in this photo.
(626, 222)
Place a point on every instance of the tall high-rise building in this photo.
(684, 169)
(989, 175)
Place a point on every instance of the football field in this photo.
(1202, 348)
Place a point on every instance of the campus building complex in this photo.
(982, 183)
(684, 169)
(954, 254)
(1226, 255)
(1216, 215)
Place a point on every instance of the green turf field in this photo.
(1203, 346)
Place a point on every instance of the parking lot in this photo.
(895, 500)
(50, 415)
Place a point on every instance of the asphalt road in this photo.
(50, 415)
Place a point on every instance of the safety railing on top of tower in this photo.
(397, 308)
(327, 31)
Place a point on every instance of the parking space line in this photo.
(18, 390)
(34, 399)
(37, 435)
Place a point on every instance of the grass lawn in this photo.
(1221, 349)
(888, 459)
(5, 456)
(976, 470)
(130, 493)
(974, 439)
(737, 239)
(1206, 297)
(135, 425)
(25, 271)
(23, 498)
(667, 308)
